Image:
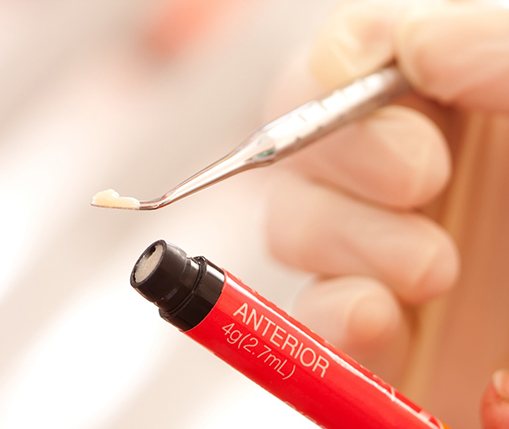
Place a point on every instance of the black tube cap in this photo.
(185, 289)
(164, 273)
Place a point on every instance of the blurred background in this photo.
(133, 95)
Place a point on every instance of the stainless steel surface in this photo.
(294, 130)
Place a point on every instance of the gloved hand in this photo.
(356, 207)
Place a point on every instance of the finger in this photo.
(459, 54)
(397, 157)
(355, 40)
(361, 317)
(495, 402)
(317, 229)
(358, 39)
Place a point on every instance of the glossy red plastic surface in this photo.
(287, 359)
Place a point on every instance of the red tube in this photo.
(283, 356)
(265, 344)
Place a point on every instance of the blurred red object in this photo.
(181, 23)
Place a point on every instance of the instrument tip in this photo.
(110, 198)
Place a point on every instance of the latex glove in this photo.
(351, 208)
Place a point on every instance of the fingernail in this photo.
(356, 40)
(501, 383)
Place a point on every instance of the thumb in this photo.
(458, 54)
(356, 40)
(495, 402)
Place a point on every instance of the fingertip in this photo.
(354, 313)
(417, 153)
(374, 318)
(396, 157)
(361, 317)
(356, 40)
(440, 274)
(495, 402)
(500, 381)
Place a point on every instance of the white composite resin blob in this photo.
(147, 264)
(111, 198)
